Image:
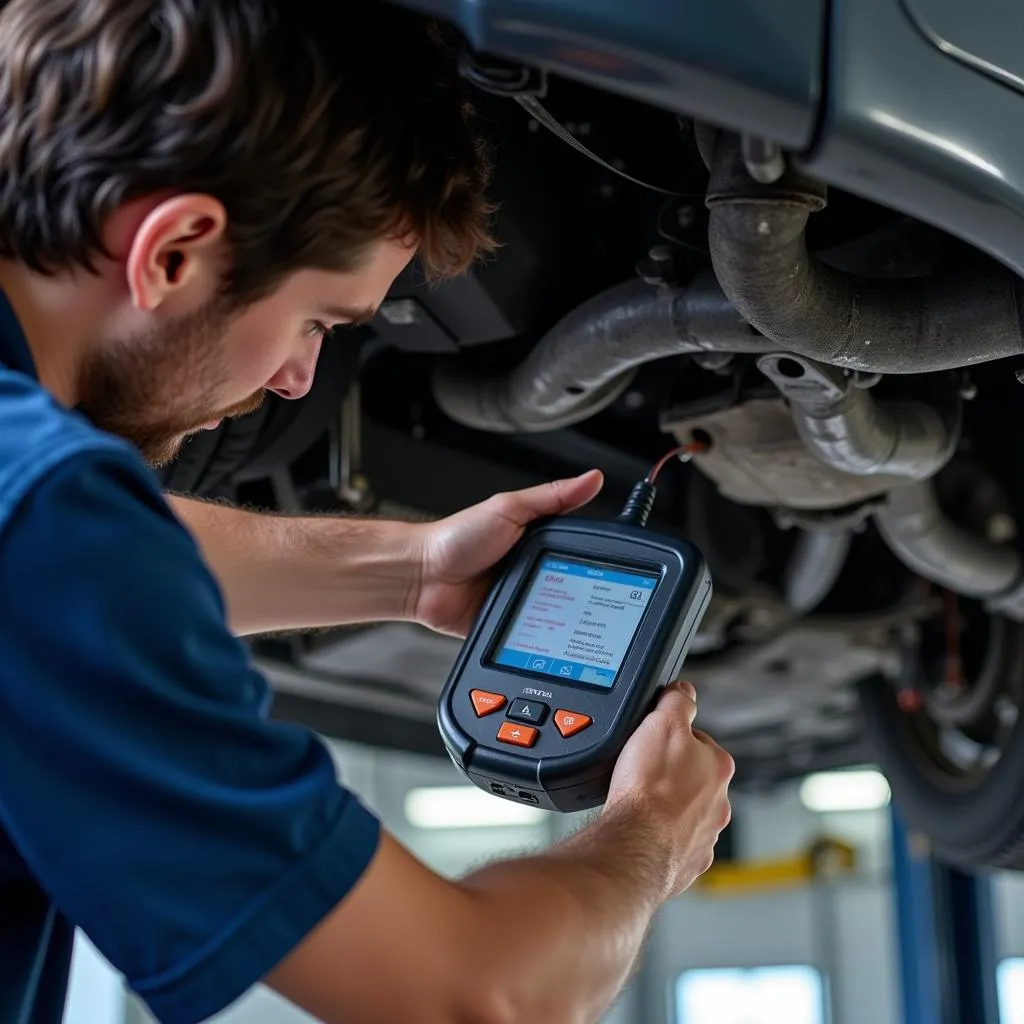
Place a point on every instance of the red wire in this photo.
(693, 448)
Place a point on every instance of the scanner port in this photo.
(498, 788)
(528, 797)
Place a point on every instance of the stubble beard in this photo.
(156, 389)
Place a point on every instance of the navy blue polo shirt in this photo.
(144, 795)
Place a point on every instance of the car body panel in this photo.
(985, 34)
(910, 126)
(909, 103)
(736, 63)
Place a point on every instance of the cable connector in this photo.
(639, 504)
(641, 499)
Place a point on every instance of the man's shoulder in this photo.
(37, 435)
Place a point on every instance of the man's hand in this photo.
(673, 780)
(459, 552)
(551, 937)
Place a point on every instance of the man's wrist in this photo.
(652, 842)
(369, 569)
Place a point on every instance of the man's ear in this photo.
(179, 246)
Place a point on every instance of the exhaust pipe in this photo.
(756, 236)
(916, 529)
(589, 358)
(847, 429)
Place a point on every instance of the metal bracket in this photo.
(347, 478)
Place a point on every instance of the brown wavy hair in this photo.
(321, 125)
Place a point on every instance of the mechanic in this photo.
(192, 194)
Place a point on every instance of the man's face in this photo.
(184, 375)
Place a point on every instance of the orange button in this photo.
(571, 722)
(517, 735)
(484, 702)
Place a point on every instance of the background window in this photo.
(757, 995)
(1010, 986)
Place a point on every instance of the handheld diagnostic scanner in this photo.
(585, 625)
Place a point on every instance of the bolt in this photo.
(862, 380)
(658, 267)
(1000, 529)
(633, 400)
(1006, 710)
(713, 361)
(685, 216)
(357, 492)
(763, 159)
(968, 390)
(400, 312)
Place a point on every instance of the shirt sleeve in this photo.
(194, 841)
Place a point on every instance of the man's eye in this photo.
(317, 329)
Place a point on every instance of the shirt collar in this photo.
(14, 350)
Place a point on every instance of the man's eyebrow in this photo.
(354, 315)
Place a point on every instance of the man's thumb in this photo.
(687, 687)
(554, 498)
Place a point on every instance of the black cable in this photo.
(639, 504)
(540, 114)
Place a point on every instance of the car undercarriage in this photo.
(841, 358)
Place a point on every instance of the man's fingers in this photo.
(727, 765)
(552, 499)
(687, 687)
(679, 701)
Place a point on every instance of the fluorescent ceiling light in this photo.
(845, 791)
(465, 807)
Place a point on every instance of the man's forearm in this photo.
(569, 924)
(550, 938)
(280, 572)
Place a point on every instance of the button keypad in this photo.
(523, 710)
(517, 735)
(486, 703)
(569, 723)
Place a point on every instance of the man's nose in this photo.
(295, 378)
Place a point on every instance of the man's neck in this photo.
(57, 317)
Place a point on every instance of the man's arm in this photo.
(548, 938)
(304, 572)
(281, 572)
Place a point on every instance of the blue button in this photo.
(538, 664)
